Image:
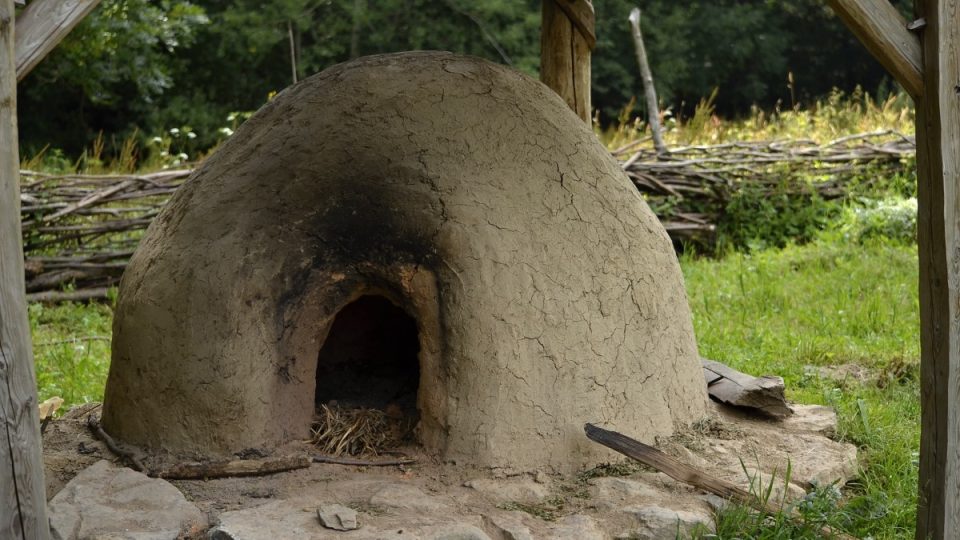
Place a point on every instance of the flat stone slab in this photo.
(106, 501)
(520, 490)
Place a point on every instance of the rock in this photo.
(406, 498)
(576, 527)
(507, 527)
(277, 519)
(623, 488)
(337, 517)
(515, 490)
(106, 501)
(760, 482)
(456, 531)
(659, 523)
(815, 418)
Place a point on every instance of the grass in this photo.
(824, 120)
(71, 350)
(789, 312)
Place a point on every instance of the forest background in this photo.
(139, 68)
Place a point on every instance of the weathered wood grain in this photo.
(23, 500)
(727, 385)
(938, 184)
(884, 33)
(42, 25)
(565, 55)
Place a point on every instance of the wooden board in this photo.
(23, 501)
(884, 33)
(565, 58)
(727, 385)
(42, 25)
(938, 186)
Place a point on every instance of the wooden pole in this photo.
(653, 106)
(23, 501)
(566, 41)
(938, 186)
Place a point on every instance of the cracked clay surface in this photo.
(546, 292)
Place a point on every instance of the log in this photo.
(23, 501)
(938, 176)
(42, 25)
(237, 467)
(732, 387)
(354, 462)
(69, 296)
(883, 31)
(653, 105)
(565, 47)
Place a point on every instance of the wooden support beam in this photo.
(566, 41)
(938, 186)
(883, 31)
(42, 25)
(23, 501)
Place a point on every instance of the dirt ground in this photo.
(612, 500)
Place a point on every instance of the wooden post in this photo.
(653, 106)
(23, 501)
(938, 186)
(566, 41)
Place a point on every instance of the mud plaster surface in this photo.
(433, 494)
(546, 292)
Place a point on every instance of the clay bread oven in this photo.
(418, 226)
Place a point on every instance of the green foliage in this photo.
(107, 75)
(156, 64)
(758, 218)
(893, 220)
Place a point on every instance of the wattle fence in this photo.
(79, 230)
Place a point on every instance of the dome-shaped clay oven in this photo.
(417, 226)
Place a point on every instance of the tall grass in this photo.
(824, 120)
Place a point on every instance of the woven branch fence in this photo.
(80, 230)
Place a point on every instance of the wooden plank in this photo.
(884, 32)
(938, 176)
(565, 57)
(727, 385)
(42, 25)
(23, 502)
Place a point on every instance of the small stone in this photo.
(105, 501)
(519, 490)
(337, 517)
(815, 418)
